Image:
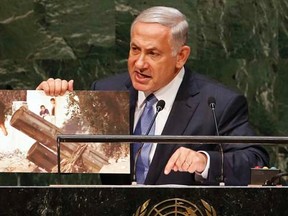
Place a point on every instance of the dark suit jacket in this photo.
(191, 115)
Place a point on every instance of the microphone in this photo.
(212, 105)
(159, 107)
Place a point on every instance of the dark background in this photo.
(241, 43)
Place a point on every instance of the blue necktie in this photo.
(142, 163)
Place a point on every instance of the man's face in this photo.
(151, 64)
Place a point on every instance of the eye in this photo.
(154, 54)
(134, 49)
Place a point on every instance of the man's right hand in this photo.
(55, 87)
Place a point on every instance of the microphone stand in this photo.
(212, 106)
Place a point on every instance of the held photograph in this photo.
(30, 122)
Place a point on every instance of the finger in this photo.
(192, 167)
(185, 166)
(63, 86)
(70, 85)
(199, 162)
(56, 87)
(171, 163)
(178, 159)
(50, 89)
(175, 169)
(183, 160)
(43, 86)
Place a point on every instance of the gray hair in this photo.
(169, 17)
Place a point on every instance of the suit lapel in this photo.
(184, 106)
(133, 100)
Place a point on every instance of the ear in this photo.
(182, 56)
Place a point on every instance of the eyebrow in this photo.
(148, 49)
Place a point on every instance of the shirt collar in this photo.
(167, 93)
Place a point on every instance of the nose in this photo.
(141, 62)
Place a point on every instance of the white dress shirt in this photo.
(168, 94)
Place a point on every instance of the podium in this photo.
(147, 200)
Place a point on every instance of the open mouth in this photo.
(142, 76)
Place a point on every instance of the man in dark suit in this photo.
(158, 53)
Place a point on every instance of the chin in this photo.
(140, 87)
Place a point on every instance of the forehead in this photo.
(150, 33)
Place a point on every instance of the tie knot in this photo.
(151, 100)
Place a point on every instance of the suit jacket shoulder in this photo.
(207, 85)
(117, 82)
